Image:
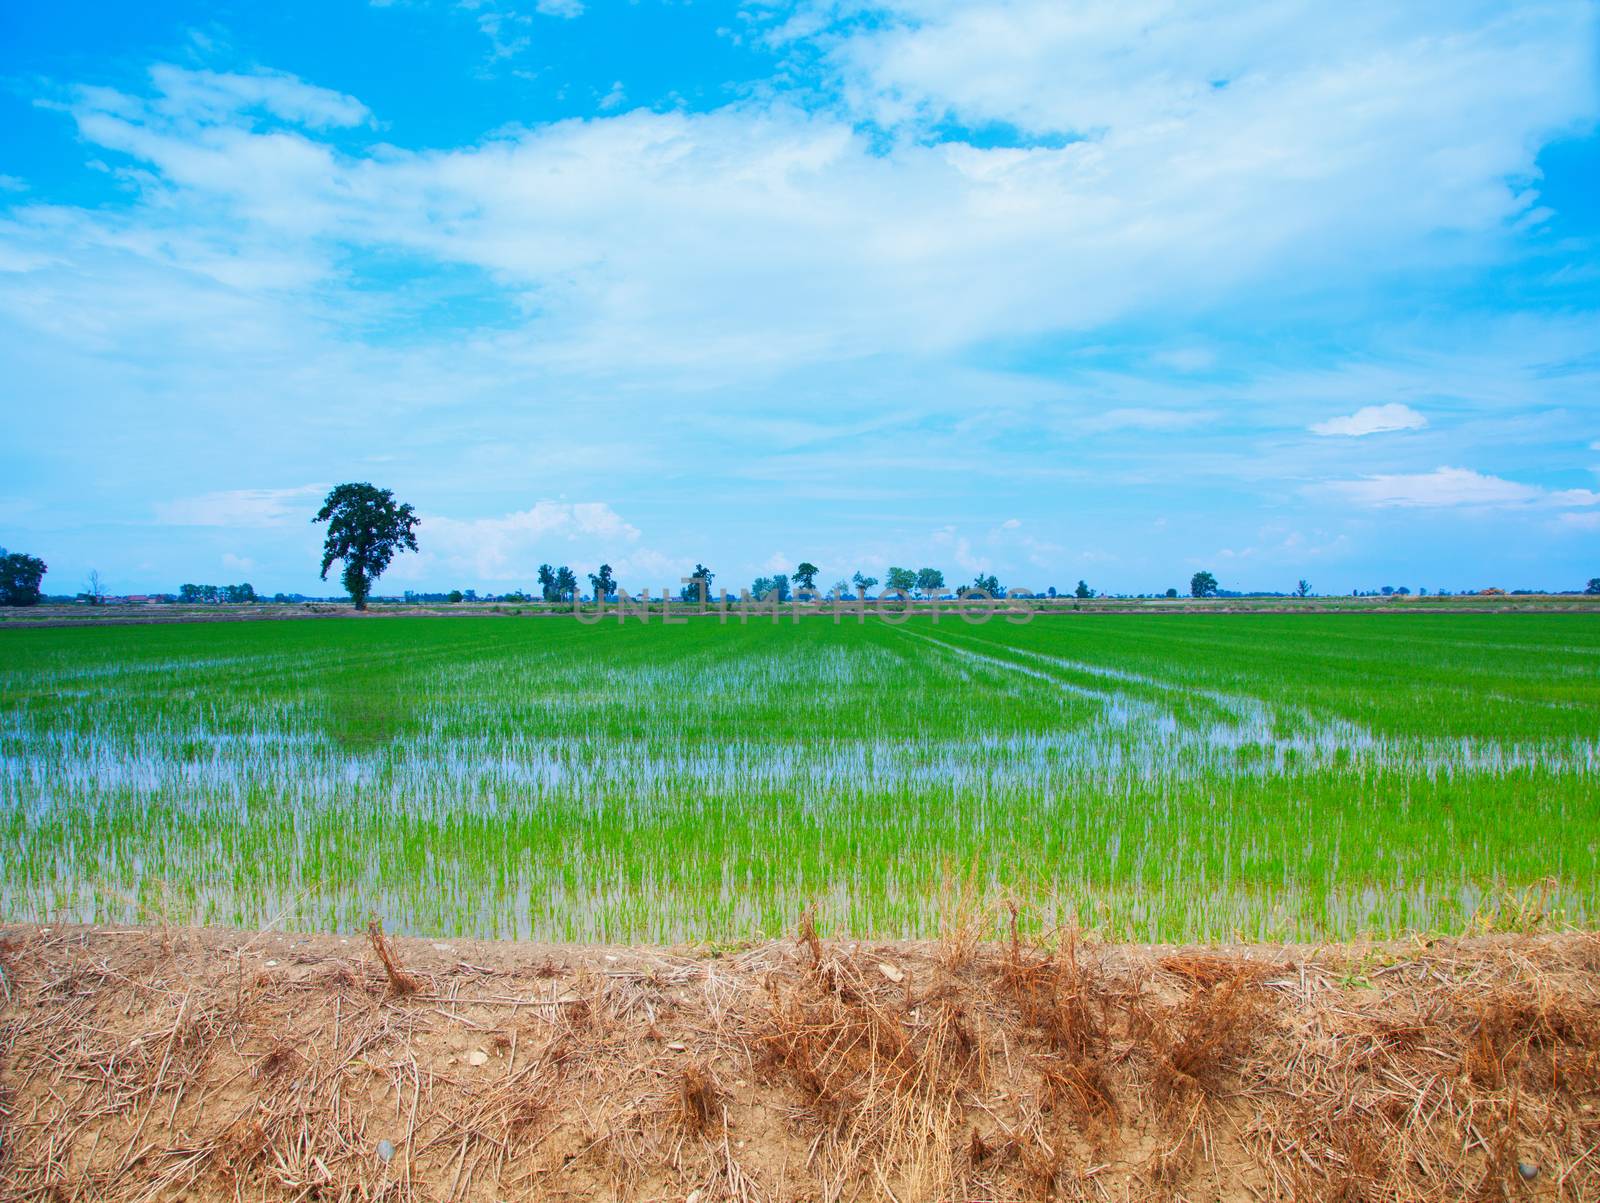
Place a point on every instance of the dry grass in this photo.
(401, 983)
(141, 1065)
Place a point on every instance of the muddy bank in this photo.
(210, 1065)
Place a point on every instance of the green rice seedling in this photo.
(1155, 777)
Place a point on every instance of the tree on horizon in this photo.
(20, 575)
(603, 583)
(764, 586)
(698, 588)
(988, 585)
(366, 527)
(566, 584)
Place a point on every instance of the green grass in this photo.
(1155, 777)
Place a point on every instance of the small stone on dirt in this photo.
(893, 972)
(1528, 1170)
(385, 1151)
(477, 1057)
(678, 1047)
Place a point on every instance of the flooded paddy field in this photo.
(1157, 778)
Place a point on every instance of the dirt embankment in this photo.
(211, 1065)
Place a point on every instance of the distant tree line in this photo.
(231, 595)
(558, 584)
(925, 584)
(367, 528)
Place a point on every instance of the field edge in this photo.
(210, 1063)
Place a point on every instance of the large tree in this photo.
(19, 578)
(766, 586)
(603, 583)
(989, 586)
(805, 576)
(698, 588)
(566, 584)
(1592, 587)
(862, 582)
(1202, 584)
(930, 582)
(366, 527)
(1083, 591)
(903, 580)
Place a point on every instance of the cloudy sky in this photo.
(1056, 290)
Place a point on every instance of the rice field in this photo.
(1179, 777)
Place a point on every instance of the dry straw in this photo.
(218, 1067)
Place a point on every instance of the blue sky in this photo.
(1054, 290)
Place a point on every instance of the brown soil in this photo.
(210, 1065)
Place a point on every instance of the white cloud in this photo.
(511, 547)
(509, 30)
(1186, 359)
(206, 97)
(1112, 70)
(1279, 546)
(1579, 522)
(506, 29)
(236, 563)
(1372, 419)
(762, 234)
(643, 272)
(1449, 487)
(1012, 542)
(959, 547)
(1008, 543)
(243, 507)
(647, 568)
(1142, 418)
